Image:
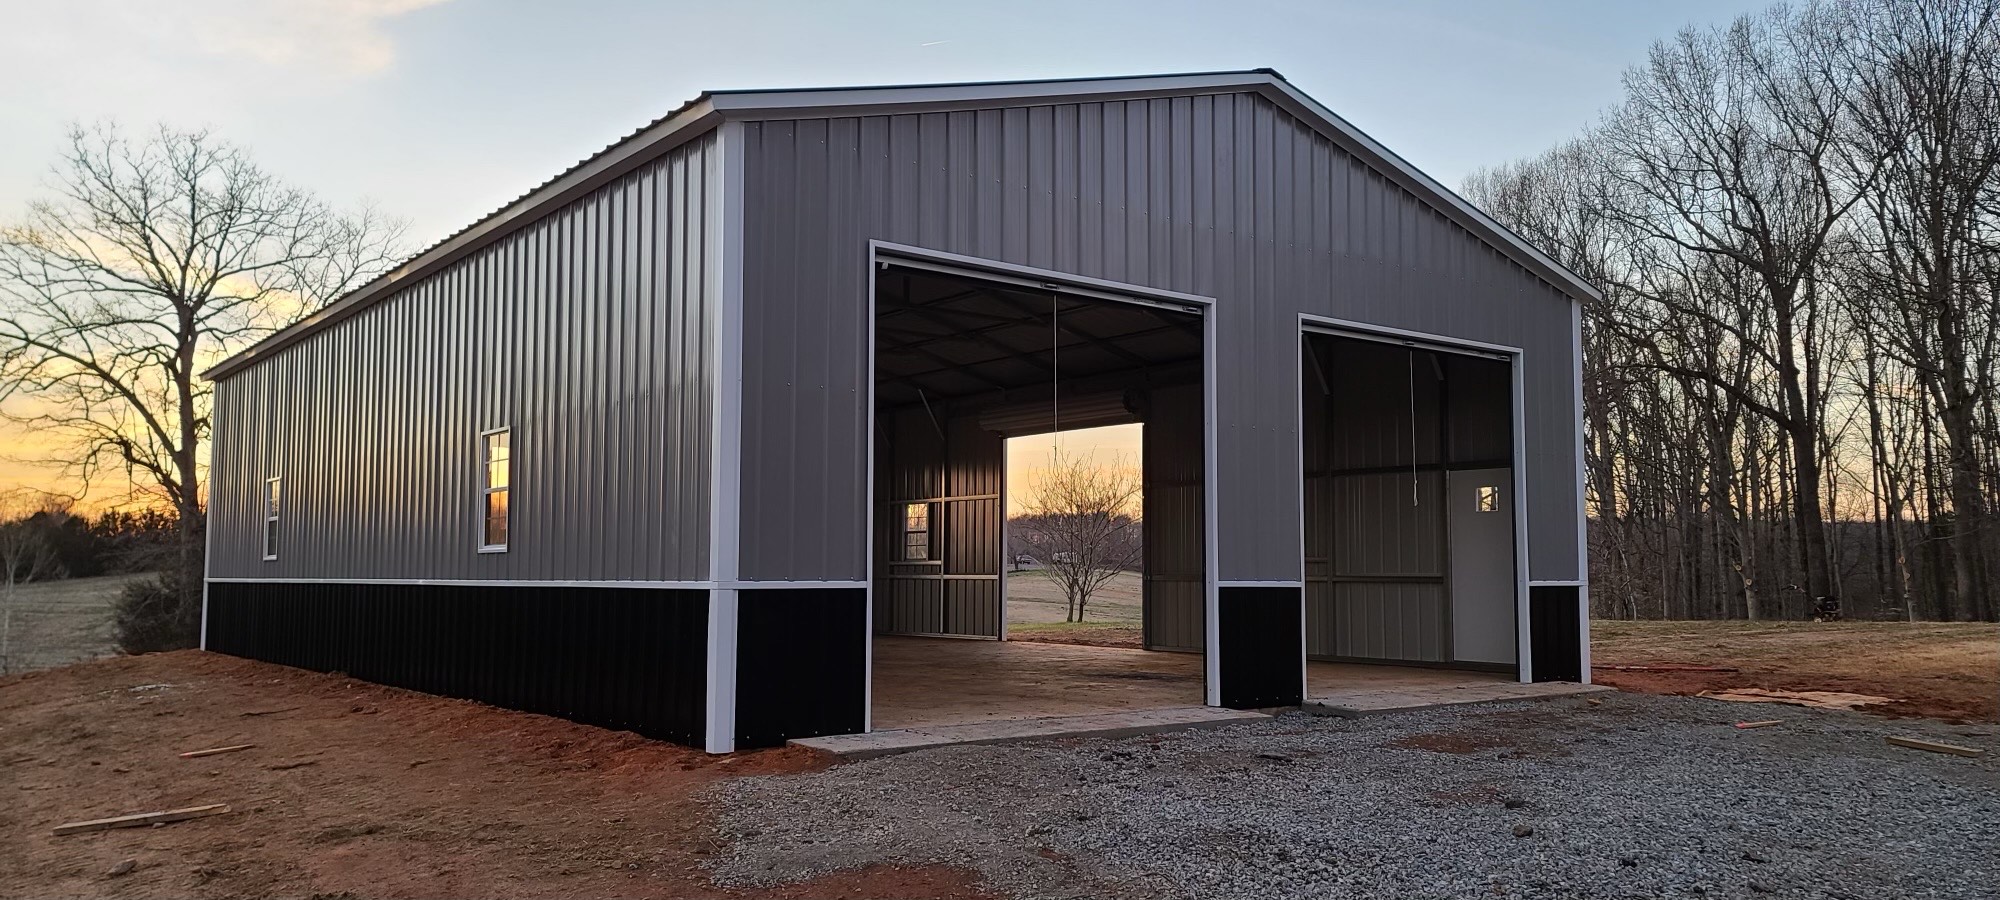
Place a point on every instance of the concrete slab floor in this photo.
(932, 682)
(942, 681)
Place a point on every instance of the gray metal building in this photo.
(662, 444)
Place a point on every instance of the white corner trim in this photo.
(726, 485)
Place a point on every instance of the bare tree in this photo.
(25, 554)
(152, 261)
(1080, 519)
(1730, 145)
(1928, 103)
(1790, 384)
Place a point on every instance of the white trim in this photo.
(1516, 360)
(1299, 433)
(1211, 491)
(1032, 277)
(789, 585)
(1366, 331)
(487, 489)
(517, 582)
(720, 723)
(480, 582)
(726, 485)
(1582, 507)
(1555, 584)
(882, 253)
(1252, 584)
(711, 109)
(269, 533)
(868, 505)
(1524, 649)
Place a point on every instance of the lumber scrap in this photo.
(1933, 746)
(1764, 724)
(212, 751)
(139, 820)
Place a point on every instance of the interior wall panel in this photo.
(1175, 590)
(954, 466)
(588, 333)
(1219, 195)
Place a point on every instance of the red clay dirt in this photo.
(1948, 671)
(358, 791)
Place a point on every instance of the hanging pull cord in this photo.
(1413, 427)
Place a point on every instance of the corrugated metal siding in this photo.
(1224, 195)
(1175, 590)
(958, 593)
(624, 658)
(588, 333)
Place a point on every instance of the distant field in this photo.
(1035, 610)
(60, 622)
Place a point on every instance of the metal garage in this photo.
(636, 448)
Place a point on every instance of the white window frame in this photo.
(487, 489)
(269, 549)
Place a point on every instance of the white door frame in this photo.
(881, 254)
(1515, 357)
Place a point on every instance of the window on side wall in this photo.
(499, 476)
(272, 492)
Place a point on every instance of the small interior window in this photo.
(1489, 498)
(916, 532)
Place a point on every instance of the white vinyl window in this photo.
(916, 532)
(493, 501)
(272, 493)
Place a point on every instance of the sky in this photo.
(440, 111)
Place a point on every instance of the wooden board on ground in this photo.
(232, 748)
(1934, 746)
(138, 820)
(1815, 699)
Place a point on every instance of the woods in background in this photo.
(1789, 385)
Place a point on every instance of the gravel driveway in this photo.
(1640, 796)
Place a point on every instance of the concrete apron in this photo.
(1126, 723)
(1375, 701)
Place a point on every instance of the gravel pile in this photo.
(1637, 797)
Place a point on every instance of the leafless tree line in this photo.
(1789, 385)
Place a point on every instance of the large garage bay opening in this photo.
(968, 369)
(1410, 514)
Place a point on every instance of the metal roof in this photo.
(703, 113)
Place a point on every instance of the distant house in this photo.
(676, 440)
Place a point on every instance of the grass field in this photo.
(60, 622)
(1036, 608)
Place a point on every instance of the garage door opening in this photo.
(1411, 519)
(964, 367)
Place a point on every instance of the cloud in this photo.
(343, 38)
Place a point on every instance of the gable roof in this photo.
(702, 114)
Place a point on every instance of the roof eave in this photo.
(685, 124)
